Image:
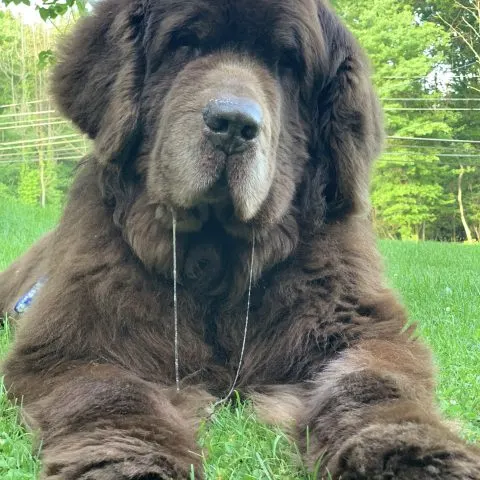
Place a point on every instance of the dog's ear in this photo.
(99, 76)
(348, 124)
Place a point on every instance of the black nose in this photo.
(233, 122)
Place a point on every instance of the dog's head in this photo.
(241, 109)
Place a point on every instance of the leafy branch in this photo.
(51, 9)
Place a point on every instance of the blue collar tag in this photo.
(24, 303)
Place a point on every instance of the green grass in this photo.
(20, 226)
(240, 447)
(16, 459)
(440, 284)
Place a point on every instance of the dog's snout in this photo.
(233, 122)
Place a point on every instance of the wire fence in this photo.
(72, 146)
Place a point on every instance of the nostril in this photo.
(249, 132)
(218, 125)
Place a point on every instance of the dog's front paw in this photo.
(117, 471)
(92, 465)
(406, 452)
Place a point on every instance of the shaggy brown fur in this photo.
(93, 358)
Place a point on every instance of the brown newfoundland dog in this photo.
(241, 132)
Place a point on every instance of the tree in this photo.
(407, 185)
(416, 183)
(38, 149)
(461, 20)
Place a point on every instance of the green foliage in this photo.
(46, 58)
(460, 19)
(409, 187)
(415, 183)
(38, 149)
(5, 193)
(51, 9)
(29, 186)
(410, 42)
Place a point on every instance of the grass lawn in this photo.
(440, 284)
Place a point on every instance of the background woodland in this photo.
(426, 61)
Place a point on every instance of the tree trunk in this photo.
(476, 229)
(468, 233)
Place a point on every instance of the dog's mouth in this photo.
(214, 207)
(219, 193)
(222, 201)
(238, 192)
(216, 210)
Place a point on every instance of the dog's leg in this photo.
(102, 423)
(370, 415)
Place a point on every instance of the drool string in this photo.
(245, 330)
(175, 314)
(175, 302)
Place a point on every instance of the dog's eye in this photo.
(289, 63)
(196, 52)
(187, 43)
